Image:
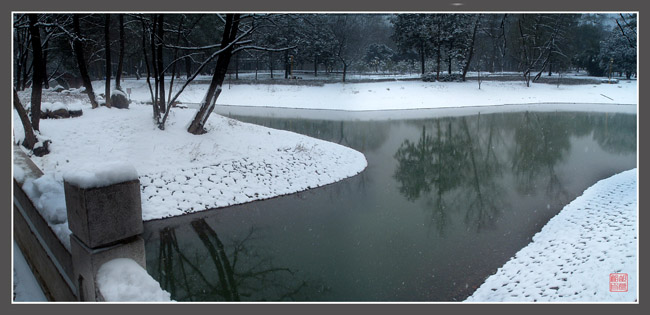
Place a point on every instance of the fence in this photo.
(106, 224)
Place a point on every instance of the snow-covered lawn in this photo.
(400, 94)
(572, 257)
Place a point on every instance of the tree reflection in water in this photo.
(432, 161)
(541, 142)
(482, 192)
(239, 271)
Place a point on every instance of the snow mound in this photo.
(47, 194)
(101, 175)
(123, 280)
(572, 257)
(50, 107)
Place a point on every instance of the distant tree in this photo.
(586, 38)
(539, 35)
(345, 33)
(626, 23)
(470, 45)
(615, 49)
(413, 32)
(378, 55)
(77, 40)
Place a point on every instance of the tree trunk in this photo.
(197, 126)
(422, 56)
(30, 138)
(120, 62)
(471, 49)
(286, 64)
(315, 66)
(107, 51)
(154, 66)
(236, 66)
(438, 62)
(188, 60)
(81, 61)
(159, 57)
(38, 71)
(46, 81)
(156, 114)
(345, 70)
(271, 63)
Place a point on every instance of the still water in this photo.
(443, 203)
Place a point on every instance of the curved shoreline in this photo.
(572, 257)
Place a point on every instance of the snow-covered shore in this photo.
(179, 172)
(400, 94)
(572, 257)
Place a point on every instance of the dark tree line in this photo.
(162, 47)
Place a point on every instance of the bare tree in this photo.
(107, 52)
(39, 71)
(120, 62)
(30, 138)
(81, 61)
(231, 43)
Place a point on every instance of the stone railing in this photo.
(106, 225)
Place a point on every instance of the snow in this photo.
(48, 197)
(400, 94)
(19, 173)
(101, 174)
(233, 163)
(45, 106)
(26, 288)
(572, 257)
(123, 280)
(118, 92)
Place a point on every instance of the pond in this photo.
(443, 203)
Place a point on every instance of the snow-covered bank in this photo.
(401, 94)
(180, 173)
(572, 257)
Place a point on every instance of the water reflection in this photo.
(541, 141)
(362, 136)
(616, 133)
(215, 271)
(443, 203)
(457, 163)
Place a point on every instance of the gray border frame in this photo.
(295, 6)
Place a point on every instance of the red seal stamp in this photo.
(618, 282)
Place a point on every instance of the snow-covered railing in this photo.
(124, 280)
(48, 257)
(104, 215)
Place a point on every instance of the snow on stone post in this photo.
(105, 217)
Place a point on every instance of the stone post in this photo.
(106, 223)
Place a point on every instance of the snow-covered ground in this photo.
(399, 94)
(572, 257)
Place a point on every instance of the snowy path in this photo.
(571, 258)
